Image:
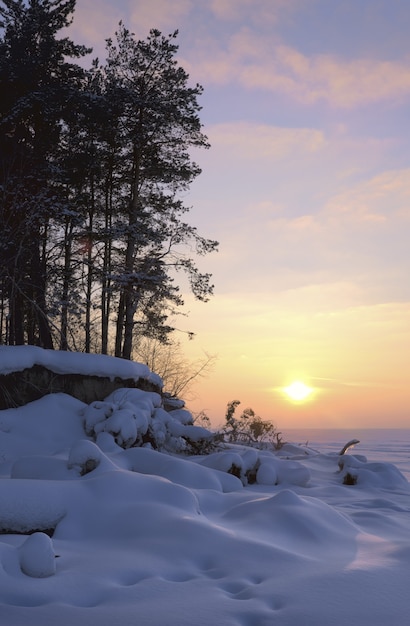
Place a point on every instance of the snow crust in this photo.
(239, 537)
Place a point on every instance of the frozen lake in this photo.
(377, 444)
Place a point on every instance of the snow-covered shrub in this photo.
(183, 416)
(249, 428)
(239, 462)
(251, 465)
(174, 431)
(95, 413)
(125, 416)
(357, 471)
(136, 418)
(349, 479)
(226, 461)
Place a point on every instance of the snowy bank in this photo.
(19, 358)
(27, 373)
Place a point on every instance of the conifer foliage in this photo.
(36, 84)
(93, 166)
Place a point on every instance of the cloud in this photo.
(266, 208)
(92, 24)
(260, 62)
(262, 141)
(91, 27)
(229, 9)
(383, 197)
(259, 11)
(161, 14)
(353, 342)
(338, 256)
(289, 214)
(252, 56)
(318, 180)
(342, 83)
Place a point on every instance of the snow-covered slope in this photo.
(151, 538)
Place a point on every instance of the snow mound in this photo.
(37, 558)
(85, 457)
(28, 505)
(296, 523)
(181, 471)
(260, 466)
(356, 470)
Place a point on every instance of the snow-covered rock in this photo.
(266, 474)
(37, 558)
(85, 457)
(28, 372)
(356, 470)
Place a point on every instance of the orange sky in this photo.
(356, 359)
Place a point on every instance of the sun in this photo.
(298, 391)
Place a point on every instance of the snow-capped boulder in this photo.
(225, 461)
(85, 457)
(36, 556)
(356, 470)
(28, 373)
(266, 474)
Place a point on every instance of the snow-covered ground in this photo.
(150, 538)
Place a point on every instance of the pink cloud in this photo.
(258, 62)
(161, 14)
(383, 198)
(257, 11)
(260, 141)
(345, 84)
(94, 23)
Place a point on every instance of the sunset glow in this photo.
(306, 186)
(298, 391)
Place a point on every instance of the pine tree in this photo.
(154, 124)
(92, 166)
(37, 86)
(79, 238)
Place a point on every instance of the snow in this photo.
(37, 558)
(156, 538)
(18, 358)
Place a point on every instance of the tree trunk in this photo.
(66, 284)
(120, 325)
(45, 338)
(130, 309)
(129, 294)
(107, 266)
(2, 317)
(16, 329)
(89, 279)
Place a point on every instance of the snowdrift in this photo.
(97, 527)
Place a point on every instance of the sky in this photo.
(306, 187)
